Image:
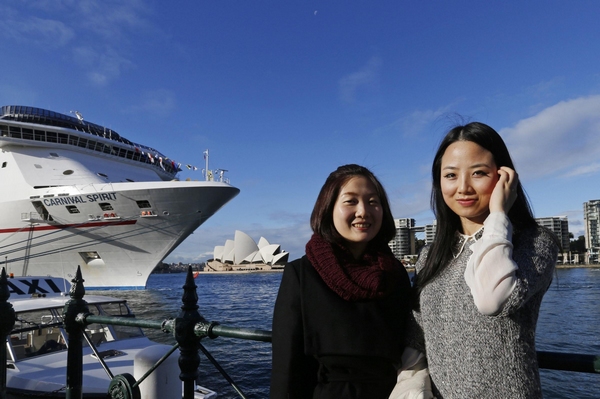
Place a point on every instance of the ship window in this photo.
(105, 206)
(125, 179)
(73, 140)
(103, 175)
(83, 143)
(15, 132)
(72, 209)
(53, 154)
(37, 166)
(68, 172)
(91, 144)
(4, 164)
(63, 138)
(87, 256)
(143, 204)
(28, 134)
(4, 130)
(40, 135)
(51, 137)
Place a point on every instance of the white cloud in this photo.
(102, 33)
(45, 33)
(422, 123)
(561, 139)
(584, 170)
(367, 77)
(160, 102)
(113, 20)
(102, 65)
(411, 199)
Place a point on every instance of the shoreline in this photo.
(238, 271)
(582, 266)
(408, 268)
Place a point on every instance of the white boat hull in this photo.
(37, 353)
(129, 245)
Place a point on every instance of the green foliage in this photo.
(578, 245)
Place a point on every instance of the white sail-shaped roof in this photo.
(254, 257)
(228, 252)
(280, 258)
(243, 249)
(244, 246)
(268, 252)
(262, 242)
(218, 253)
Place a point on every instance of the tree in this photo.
(578, 245)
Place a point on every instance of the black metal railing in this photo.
(188, 328)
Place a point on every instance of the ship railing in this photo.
(188, 328)
(31, 217)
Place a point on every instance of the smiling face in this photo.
(468, 177)
(357, 214)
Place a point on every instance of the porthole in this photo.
(143, 204)
(53, 154)
(72, 209)
(105, 206)
(103, 175)
(68, 172)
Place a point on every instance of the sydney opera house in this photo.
(243, 254)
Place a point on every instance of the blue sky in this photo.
(283, 92)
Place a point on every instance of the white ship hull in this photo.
(64, 206)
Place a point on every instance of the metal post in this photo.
(189, 359)
(7, 322)
(72, 308)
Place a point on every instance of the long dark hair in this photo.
(448, 222)
(321, 219)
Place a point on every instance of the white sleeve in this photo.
(490, 272)
(413, 380)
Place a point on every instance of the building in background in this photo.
(591, 215)
(243, 254)
(404, 242)
(430, 230)
(559, 225)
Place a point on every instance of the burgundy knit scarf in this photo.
(374, 276)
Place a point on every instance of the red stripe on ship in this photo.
(68, 226)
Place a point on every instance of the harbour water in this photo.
(569, 322)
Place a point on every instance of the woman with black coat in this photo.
(341, 309)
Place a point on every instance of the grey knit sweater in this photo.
(471, 355)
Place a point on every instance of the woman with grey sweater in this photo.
(479, 285)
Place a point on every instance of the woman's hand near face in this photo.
(505, 192)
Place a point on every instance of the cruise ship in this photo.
(74, 193)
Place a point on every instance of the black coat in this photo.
(327, 347)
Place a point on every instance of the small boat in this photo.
(37, 345)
